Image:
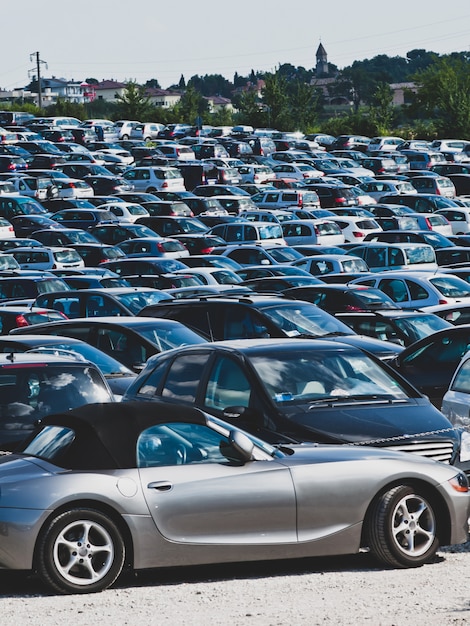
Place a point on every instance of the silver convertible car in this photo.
(137, 485)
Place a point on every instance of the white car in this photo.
(297, 171)
(379, 188)
(125, 211)
(155, 178)
(321, 231)
(458, 218)
(355, 228)
(435, 222)
(222, 278)
(319, 264)
(47, 258)
(252, 173)
(73, 188)
(418, 289)
(124, 128)
(177, 151)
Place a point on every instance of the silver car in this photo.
(155, 485)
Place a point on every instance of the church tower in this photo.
(322, 62)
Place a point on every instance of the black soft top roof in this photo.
(106, 433)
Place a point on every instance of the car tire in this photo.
(125, 137)
(80, 551)
(402, 528)
(151, 190)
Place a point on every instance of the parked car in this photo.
(114, 234)
(312, 231)
(396, 256)
(33, 386)
(355, 229)
(246, 255)
(84, 218)
(333, 195)
(420, 203)
(117, 375)
(379, 188)
(324, 264)
(130, 340)
(300, 390)
(440, 185)
(430, 363)
(18, 286)
(249, 233)
(47, 258)
(125, 211)
(418, 289)
(159, 438)
(339, 298)
(117, 301)
(254, 316)
(151, 179)
(154, 246)
(287, 199)
(458, 218)
(401, 326)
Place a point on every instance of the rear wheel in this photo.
(125, 137)
(80, 551)
(402, 528)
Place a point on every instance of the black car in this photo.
(167, 225)
(130, 340)
(63, 236)
(26, 225)
(200, 243)
(101, 302)
(20, 287)
(420, 202)
(117, 375)
(147, 265)
(167, 207)
(430, 363)
(403, 327)
(301, 390)
(94, 254)
(10, 163)
(114, 234)
(340, 298)
(332, 196)
(84, 218)
(57, 204)
(258, 316)
(107, 184)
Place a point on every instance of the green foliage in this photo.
(64, 107)
(444, 94)
(191, 106)
(134, 104)
(381, 110)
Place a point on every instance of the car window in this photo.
(180, 444)
(462, 379)
(227, 386)
(183, 377)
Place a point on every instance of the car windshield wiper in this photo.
(373, 397)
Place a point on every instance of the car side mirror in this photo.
(241, 445)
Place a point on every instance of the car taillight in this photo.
(161, 247)
(72, 185)
(340, 201)
(21, 321)
(443, 302)
(165, 185)
(306, 175)
(11, 229)
(428, 223)
(351, 307)
(316, 231)
(12, 167)
(206, 250)
(357, 233)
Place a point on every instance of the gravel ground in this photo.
(340, 591)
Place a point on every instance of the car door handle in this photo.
(162, 485)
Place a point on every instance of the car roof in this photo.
(107, 439)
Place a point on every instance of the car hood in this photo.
(384, 350)
(370, 422)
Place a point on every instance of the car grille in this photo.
(441, 450)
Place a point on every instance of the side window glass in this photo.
(240, 323)
(227, 385)
(182, 444)
(151, 384)
(417, 291)
(183, 378)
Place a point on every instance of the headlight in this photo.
(464, 446)
(459, 483)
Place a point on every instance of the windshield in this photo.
(420, 326)
(168, 337)
(339, 375)
(420, 254)
(137, 300)
(303, 318)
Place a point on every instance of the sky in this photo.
(146, 39)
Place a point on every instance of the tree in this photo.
(275, 99)
(381, 109)
(134, 104)
(304, 104)
(444, 93)
(153, 84)
(250, 109)
(191, 106)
